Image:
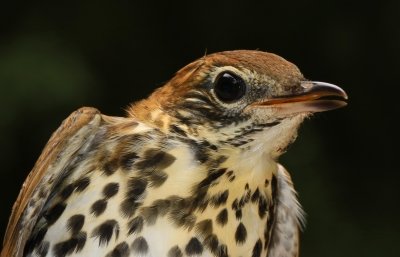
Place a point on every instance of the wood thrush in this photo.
(190, 171)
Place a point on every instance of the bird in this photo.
(192, 170)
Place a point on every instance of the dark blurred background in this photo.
(56, 57)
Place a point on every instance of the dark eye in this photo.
(229, 87)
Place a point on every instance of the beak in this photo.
(313, 97)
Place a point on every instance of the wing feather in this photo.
(289, 218)
(76, 134)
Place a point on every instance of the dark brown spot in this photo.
(179, 213)
(238, 214)
(128, 160)
(35, 240)
(82, 184)
(140, 245)
(266, 182)
(240, 234)
(110, 167)
(121, 250)
(177, 130)
(157, 178)
(154, 159)
(105, 231)
(175, 252)
(213, 147)
(67, 191)
(158, 208)
(162, 205)
(135, 225)
(274, 183)
(98, 207)
(267, 232)
(128, 207)
(150, 214)
(211, 242)
(200, 200)
(212, 176)
(235, 205)
(67, 247)
(262, 206)
(204, 227)
(244, 199)
(257, 249)
(255, 195)
(194, 247)
(222, 217)
(110, 190)
(219, 198)
(199, 150)
(75, 223)
(136, 187)
(54, 213)
(182, 218)
(222, 251)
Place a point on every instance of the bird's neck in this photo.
(252, 157)
(149, 112)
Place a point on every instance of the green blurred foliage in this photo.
(37, 72)
(58, 56)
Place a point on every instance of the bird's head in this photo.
(245, 99)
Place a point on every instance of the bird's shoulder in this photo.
(80, 135)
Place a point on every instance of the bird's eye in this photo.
(229, 87)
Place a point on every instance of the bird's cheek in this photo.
(262, 113)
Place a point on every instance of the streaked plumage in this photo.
(191, 170)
